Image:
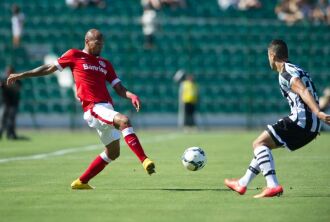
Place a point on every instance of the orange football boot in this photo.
(270, 192)
(234, 185)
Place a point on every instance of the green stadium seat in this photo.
(225, 50)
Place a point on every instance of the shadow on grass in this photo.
(189, 189)
(183, 189)
(312, 196)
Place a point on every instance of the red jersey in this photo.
(90, 74)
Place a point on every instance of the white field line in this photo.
(80, 149)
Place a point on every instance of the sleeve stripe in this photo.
(114, 82)
(59, 67)
(286, 76)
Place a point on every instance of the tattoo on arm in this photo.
(40, 71)
(120, 90)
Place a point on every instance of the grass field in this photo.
(39, 189)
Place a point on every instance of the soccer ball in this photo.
(193, 158)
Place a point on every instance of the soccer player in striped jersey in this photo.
(91, 73)
(293, 131)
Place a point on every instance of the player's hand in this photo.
(12, 78)
(136, 102)
(325, 117)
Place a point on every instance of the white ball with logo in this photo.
(194, 158)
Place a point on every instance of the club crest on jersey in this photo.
(102, 63)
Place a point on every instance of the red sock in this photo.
(134, 143)
(94, 168)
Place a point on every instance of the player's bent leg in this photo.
(264, 139)
(110, 153)
(252, 171)
(262, 152)
(96, 166)
(240, 185)
(122, 123)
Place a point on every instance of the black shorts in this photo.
(287, 133)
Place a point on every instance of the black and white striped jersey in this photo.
(300, 112)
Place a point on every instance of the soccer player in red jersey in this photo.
(91, 73)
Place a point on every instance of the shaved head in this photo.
(93, 42)
(93, 34)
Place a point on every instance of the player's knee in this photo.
(123, 122)
(256, 143)
(113, 155)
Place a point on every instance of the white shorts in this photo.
(101, 118)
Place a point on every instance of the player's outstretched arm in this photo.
(324, 116)
(123, 92)
(40, 71)
(325, 99)
(299, 88)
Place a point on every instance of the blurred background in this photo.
(221, 43)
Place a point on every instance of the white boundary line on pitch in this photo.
(79, 149)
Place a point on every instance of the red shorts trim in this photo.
(100, 118)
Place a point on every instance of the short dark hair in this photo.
(280, 49)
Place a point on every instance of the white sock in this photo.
(250, 174)
(105, 157)
(266, 163)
